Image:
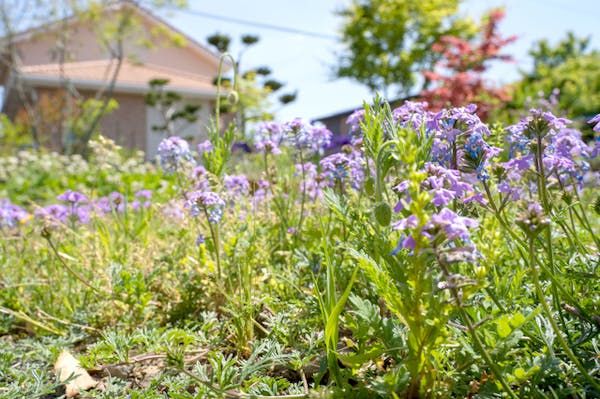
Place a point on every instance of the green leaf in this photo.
(360, 358)
(332, 319)
(517, 320)
(383, 214)
(520, 373)
(503, 328)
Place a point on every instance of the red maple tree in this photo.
(463, 65)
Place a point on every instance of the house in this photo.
(89, 66)
(337, 122)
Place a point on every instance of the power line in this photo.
(255, 24)
(567, 7)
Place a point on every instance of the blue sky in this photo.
(305, 63)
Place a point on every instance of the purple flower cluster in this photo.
(303, 135)
(79, 208)
(447, 234)
(458, 140)
(205, 146)
(237, 185)
(564, 155)
(268, 138)
(142, 200)
(354, 123)
(260, 190)
(312, 184)
(11, 215)
(412, 114)
(445, 185)
(200, 178)
(53, 213)
(207, 202)
(72, 197)
(173, 210)
(174, 152)
(458, 136)
(343, 168)
(298, 133)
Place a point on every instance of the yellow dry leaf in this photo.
(67, 365)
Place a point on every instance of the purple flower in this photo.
(200, 177)
(142, 194)
(458, 140)
(83, 213)
(553, 121)
(519, 164)
(596, 120)
(537, 123)
(208, 202)
(174, 152)
(147, 194)
(268, 138)
(117, 201)
(343, 168)
(10, 214)
(53, 213)
(173, 210)
(411, 114)
(402, 189)
(237, 184)
(453, 225)
(303, 135)
(407, 241)
(260, 190)
(354, 120)
(443, 230)
(102, 205)
(205, 146)
(442, 197)
(200, 239)
(77, 209)
(73, 197)
(505, 188)
(312, 184)
(405, 224)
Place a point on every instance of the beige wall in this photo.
(127, 124)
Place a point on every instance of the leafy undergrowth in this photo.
(431, 257)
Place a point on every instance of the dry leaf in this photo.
(67, 365)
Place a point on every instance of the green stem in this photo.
(303, 198)
(540, 294)
(214, 234)
(73, 272)
(471, 329)
(219, 76)
(500, 218)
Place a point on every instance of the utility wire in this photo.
(255, 24)
(567, 7)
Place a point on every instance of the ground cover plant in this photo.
(434, 256)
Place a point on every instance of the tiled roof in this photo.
(131, 75)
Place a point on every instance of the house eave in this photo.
(120, 87)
